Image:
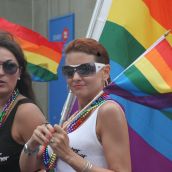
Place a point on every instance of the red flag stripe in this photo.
(161, 11)
(28, 35)
(165, 50)
(42, 50)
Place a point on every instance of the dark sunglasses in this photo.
(85, 69)
(9, 67)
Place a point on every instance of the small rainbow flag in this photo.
(148, 80)
(43, 57)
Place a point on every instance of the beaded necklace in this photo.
(75, 122)
(49, 161)
(81, 117)
(8, 106)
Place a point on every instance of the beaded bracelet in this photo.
(49, 161)
(87, 167)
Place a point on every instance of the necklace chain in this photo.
(8, 106)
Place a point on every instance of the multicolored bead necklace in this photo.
(81, 117)
(8, 106)
(50, 161)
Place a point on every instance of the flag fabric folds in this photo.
(144, 88)
(148, 80)
(43, 57)
(131, 27)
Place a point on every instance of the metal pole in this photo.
(95, 15)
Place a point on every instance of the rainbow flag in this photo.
(148, 80)
(131, 27)
(43, 57)
(145, 90)
(127, 29)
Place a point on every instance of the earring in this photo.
(18, 78)
(106, 83)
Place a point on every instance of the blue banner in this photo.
(60, 29)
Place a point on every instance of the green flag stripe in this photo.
(168, 114)
(120, 44)
(42, 73)
(138, 79)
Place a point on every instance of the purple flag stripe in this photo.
(145, 156)
(160, 101)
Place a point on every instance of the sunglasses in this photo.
(9, 67)
(85, 69)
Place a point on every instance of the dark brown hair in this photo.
(24, 85)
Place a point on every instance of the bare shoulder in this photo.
(27, 118)
(111, 109)
(110, 117)
(29, 111)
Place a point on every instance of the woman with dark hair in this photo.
(91, 140)
(19, 115)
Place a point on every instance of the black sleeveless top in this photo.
(9, 149)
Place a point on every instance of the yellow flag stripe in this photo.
(152, 75)
(41, 61)
(123, 13)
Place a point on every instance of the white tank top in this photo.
(84, 141)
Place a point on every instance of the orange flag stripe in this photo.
(163, 69)
(40, 49)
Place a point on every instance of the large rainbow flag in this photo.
(43, 57)
(147, 85)
(130, 28)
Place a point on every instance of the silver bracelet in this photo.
(28, 151)
(87, 167)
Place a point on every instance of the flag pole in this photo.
(149, 49)
(166, 33)
(67, 107)
(71, 98)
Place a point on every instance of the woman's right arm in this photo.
(31, 156)
(34, 136)
(31, 159)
